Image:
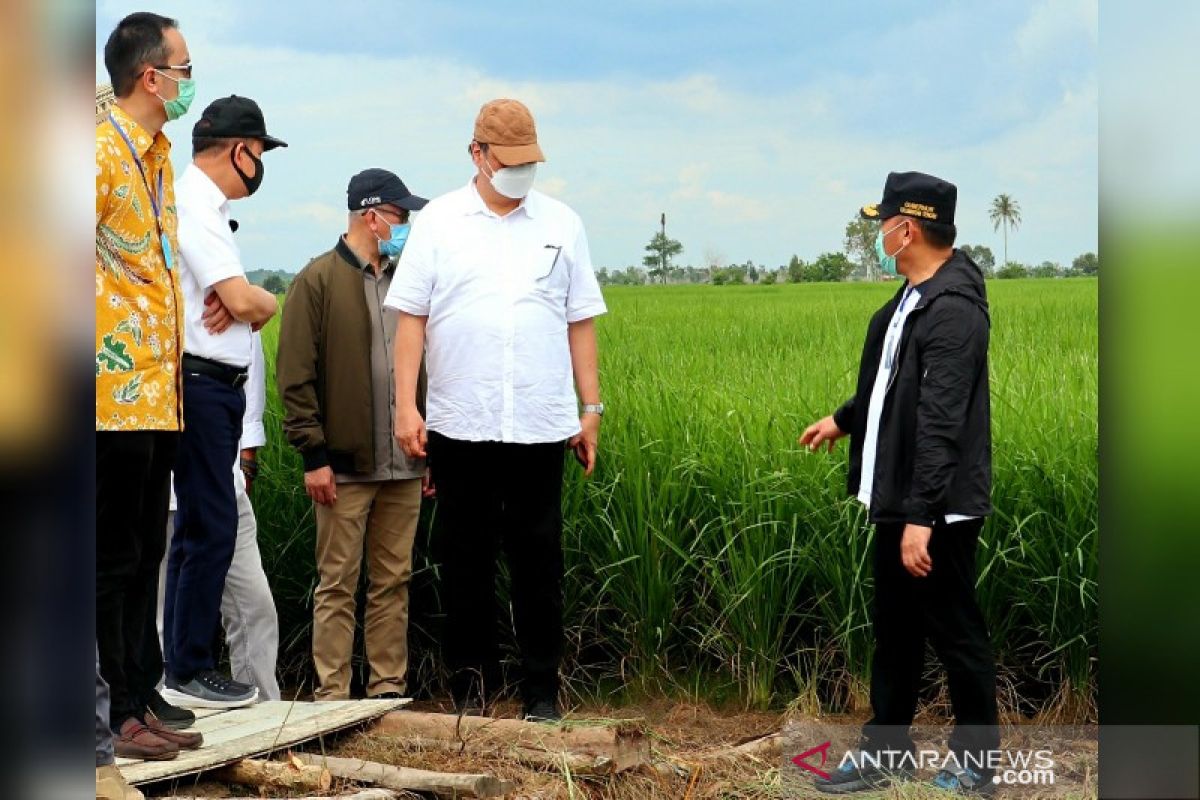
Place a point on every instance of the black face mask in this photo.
(252, 181)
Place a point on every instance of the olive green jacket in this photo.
(323, 365)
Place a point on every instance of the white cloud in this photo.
(322, 214)
(1053, 22)
(755, 172)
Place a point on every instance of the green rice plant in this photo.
(710, 555)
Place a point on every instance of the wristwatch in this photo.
(594, 408)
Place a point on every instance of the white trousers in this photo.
(247, 608)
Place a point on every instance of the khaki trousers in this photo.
(378, 520)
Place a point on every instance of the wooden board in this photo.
(257, 730)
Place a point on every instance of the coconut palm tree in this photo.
(1005, 212)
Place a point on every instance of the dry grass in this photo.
(684, 736)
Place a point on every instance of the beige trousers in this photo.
(378, 520)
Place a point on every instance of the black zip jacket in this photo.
(935, 446)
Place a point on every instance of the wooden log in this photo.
(442, 784)
(764, 748)
(587, 748)
(768, 747)
(292, 774)
(552, 760)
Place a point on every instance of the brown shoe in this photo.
(184, 740)
(111, 785)
(135, 740)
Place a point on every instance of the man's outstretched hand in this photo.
(822, 432)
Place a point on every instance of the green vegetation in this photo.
(709, 556)
(273, 280)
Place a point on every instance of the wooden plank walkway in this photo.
(257, 730)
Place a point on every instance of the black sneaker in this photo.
(542, 711)
(862, 776)
(173, 717)
(210, 689)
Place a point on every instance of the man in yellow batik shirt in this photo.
(139, 333)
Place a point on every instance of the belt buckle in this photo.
(239, 380)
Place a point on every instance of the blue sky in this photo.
(758, 127)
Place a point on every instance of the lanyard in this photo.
(154, 197)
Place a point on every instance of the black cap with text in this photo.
(915, 194)
(375, 187)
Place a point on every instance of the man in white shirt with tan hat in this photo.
(497, 283)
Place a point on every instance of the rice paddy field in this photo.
(710, 558)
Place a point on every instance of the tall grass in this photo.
(709, 555)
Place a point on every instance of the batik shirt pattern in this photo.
(139, 306)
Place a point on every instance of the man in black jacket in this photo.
(920, 460)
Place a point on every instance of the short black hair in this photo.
(202, 144)
(137, 40)
(938, 234)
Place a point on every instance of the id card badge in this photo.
(166, 248)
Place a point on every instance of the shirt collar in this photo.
(351, 258)
(141, 138)
(473, 203)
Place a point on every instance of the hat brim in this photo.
(270, 142)
(410, 203)
(513, 154)
(878, 212)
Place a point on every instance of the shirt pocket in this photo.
(551, 272)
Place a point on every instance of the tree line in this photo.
(856, 260)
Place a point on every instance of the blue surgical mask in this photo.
(393, 246)
(887, 263)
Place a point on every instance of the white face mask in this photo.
(513, 182)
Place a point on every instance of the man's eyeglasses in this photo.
(401, 215)
(186, 69)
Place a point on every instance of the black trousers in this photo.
(133, 472)
(206, 521)
(494, 496)
(940, 607)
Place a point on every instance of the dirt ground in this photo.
(683, 738)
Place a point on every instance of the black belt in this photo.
(234, 376)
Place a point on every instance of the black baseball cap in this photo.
(235, 117)
(915, 194)
(375, 186)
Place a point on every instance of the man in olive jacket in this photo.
(921, 462)
(334, 370)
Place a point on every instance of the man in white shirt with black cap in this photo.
(496, 281)
(227, 144)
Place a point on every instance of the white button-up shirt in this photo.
(207, 255)
(499, 293)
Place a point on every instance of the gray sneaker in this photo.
(209, 689)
